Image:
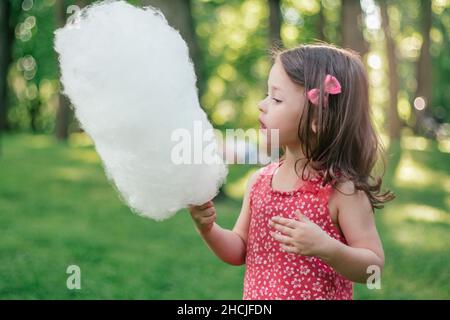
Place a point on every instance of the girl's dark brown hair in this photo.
(346, 145)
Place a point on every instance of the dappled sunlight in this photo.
(413, 174)
(374, 61)
(225, 111)
(444, 145)
(404, 107)
(446, 186)
(410, 224)
(80, 139)
(384, 139)
(418, 212)
(415, 143)
(226, 72)
(252, 11)
(250, 106)
(40, 141)
(87, 156)
(420, 240)
(409, 47)
(235, 44)
(82, 149)
(72, 174)
(216, 85)
(289, 33)
(447, 201)
(410, 172)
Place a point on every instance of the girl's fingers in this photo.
(208, 216)
(206, 205)
(209, 212)
(290, 249)
(286, 230)
(208, 220)
(285, 222)
(203, 212)
(281, 238)
(301, 217)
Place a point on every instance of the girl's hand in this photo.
(301, 236)
(204, 216)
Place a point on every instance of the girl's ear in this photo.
(314, 126)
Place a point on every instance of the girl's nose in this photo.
(262, 105)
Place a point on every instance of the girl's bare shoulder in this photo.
(346, 196)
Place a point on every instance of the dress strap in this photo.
(264, 172)
(270, 169)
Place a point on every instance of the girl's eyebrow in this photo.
(276, 88)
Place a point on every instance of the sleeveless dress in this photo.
(272, 274)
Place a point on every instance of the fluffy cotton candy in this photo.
(131, 82)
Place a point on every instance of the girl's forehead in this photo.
(280, 79)
(277, 75)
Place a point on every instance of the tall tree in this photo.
(275, 21)
(351, 24)
(393, 117)
(321, 23)
(179, 15)
(63, 113)
(6, 39)
(424, 68)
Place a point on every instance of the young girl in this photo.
(306, 229)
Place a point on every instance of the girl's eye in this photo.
(276, 100)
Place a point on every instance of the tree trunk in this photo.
(393, 118)
(63, 112)
(179, 15)
(351, 24)
(34, 112)
(424, 68)
(275, 20)
(6, 38)
(321, 24)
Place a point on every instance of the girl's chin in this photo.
(269, 135)
(265, 131)
(269, 130)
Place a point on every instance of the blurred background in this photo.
(57, 207)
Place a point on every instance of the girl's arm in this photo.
(364, 248)
(230, 245)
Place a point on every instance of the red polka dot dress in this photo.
(272, 274)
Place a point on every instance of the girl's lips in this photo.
(262, 125)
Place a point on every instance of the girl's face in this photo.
(283, 105)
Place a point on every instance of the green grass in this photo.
(57, 208)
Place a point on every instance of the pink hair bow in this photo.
(331, 86)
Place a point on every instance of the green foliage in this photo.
(440, 51)
(406, 26)
(233, 37)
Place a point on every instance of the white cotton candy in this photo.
(131, 82)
